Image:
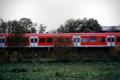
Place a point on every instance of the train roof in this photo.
(52, 34)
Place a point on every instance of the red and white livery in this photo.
(109, 39)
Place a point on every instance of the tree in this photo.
(91, 25)
(28, 25)
(33, 29)
(16, 35)
(15, 27)
(70, 25)
(42, 28)
(1, 20)
(3, 27)
(17, 40)
(78, 25)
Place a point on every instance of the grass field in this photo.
(61, 71)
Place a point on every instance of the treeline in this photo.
(24, 25)
(17, 30)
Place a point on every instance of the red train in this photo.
(109, 39)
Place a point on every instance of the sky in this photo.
(53, 13)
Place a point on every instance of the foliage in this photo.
(15, 54)
(1, 20)
(33, 30)
(3, 27)
(17, 30)
(17, 34)
(26, 23)
(15, 27)
(42, 28)
(78, 25)
(61, 71)
(18, 40)
(115, 51)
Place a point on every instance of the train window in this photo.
(3, 40)
(42, 40)
(0, 40)
(118, 39)
(76, 39)
(101, 39)
(111, 39)
(35, 40)
(84, 39)
(50, 40)
(108, 39)
(68, 40)
(93, 39)
(60, 40)
(31, 40)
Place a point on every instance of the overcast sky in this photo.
(56, 12)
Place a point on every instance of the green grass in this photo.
(61, 71)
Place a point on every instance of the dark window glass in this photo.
(68, 40)
(60, 40)
(84, 39)
(31, 40)
(101, 39)
(0, 40)
(92, 39)
(35, 40)
(76, 39)
(50, 40)
(110, 39)
(118, 39)
(42, 40)
(3, 40)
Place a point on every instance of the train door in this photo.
(111, 40)
(76, 41)
(2, 41)
(33, 41)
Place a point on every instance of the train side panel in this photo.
(117, 39)
(45, 40)
(68, 40)
(93, 40)
(64, 40)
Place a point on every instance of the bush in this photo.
(58, 54)
(115, 51)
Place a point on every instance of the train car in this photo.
(109, 39)
(97, 39)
